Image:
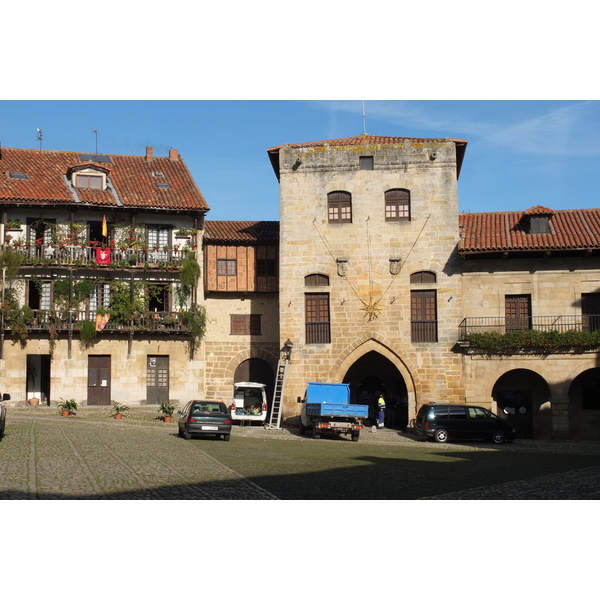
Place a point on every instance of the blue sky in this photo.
(520, 153)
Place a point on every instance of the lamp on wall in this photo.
(287, 349)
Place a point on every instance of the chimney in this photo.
(173, 154)
(149, 151)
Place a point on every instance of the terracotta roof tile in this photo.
(241, 231)
(130, 180)
(507, 231)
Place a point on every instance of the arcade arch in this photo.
(584, 405)
(258, 370)
(523, 397)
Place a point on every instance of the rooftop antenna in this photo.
(39, 137)
(96, 134)
(364, 118)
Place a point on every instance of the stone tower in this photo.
(370, 293)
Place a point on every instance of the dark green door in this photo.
(157, 387)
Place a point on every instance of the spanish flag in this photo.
(104, 227)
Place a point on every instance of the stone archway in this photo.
(584, 406)
(373, 374)
(258, 370)
(523, 398)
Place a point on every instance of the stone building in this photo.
(104, 306)
(372, 275)
(241, 285)
(384, 285)
(371, 286)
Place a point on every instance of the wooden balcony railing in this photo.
(153, 321)
(90, 255)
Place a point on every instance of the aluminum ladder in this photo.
(275, 418)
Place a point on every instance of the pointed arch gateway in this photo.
(372, 368)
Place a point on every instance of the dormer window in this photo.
(539, 224)
(88, 177)
(537, 220)
(89, 182)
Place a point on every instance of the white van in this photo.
(249, 401)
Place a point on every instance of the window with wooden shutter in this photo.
(318, 326)
(517, 310)
(423, 316)
(397, 205)
(245, 324)
(339, 207)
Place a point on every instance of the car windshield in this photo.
(207, 408)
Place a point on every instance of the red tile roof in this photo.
(364, 140)
(507, 231)
(241, 231)
(131, 181)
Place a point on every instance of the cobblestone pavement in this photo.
(52, 457)
(134, 459)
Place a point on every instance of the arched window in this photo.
(423, 277)
(397, 205)
(339, 207)
(316, 280)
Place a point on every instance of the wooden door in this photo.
(157, 379)
(518, 312)
(98, 381)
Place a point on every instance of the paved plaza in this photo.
(92, 456)
(45, 456)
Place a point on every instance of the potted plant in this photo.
(119, 410)
(167, 409)
(67, 407)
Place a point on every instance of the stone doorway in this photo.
(373, 374)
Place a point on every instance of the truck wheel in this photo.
(316, 433)
(355, 437)
(302, 429)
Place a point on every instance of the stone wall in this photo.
(369, 304)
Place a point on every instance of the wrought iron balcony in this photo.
(502, 325)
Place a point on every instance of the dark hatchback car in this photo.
(444, 422)
(205, 418)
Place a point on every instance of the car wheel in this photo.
(226, 437)
(499, 437)
(187, 435)
(441, 436)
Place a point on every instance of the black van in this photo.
(442, 422)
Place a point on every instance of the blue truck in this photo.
(327, 409)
